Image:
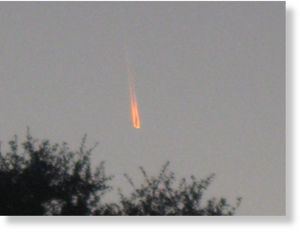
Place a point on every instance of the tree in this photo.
(45, 179)
(161, 196)
(49, 179)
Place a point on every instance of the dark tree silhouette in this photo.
(49, 179)
(162, 196)
(45, 179)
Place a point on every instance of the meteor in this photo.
(135, 115)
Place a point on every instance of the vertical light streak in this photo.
(135, 115)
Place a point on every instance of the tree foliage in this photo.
(44, 179)
(49, 179)
(163, 195)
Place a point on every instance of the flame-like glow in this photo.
(135, 116)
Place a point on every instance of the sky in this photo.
(209, 79)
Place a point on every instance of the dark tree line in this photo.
(44, 179)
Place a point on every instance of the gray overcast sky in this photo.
(210, 82)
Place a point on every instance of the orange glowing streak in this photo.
(135, 115)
